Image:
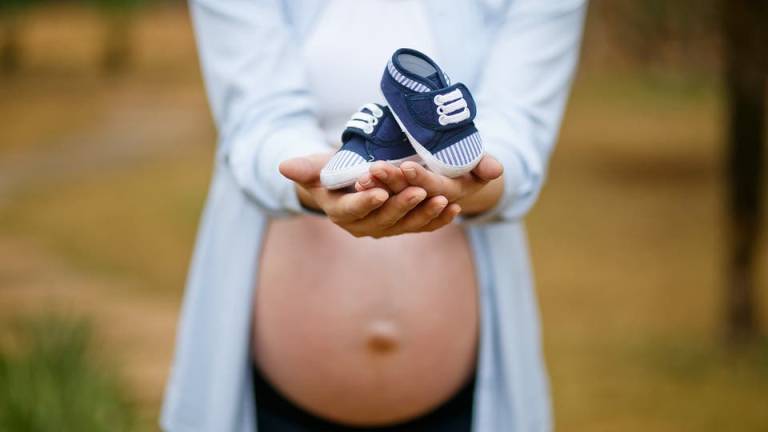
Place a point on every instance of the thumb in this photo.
(488, 169)
(304, 170)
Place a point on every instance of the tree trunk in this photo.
(10, 43)
(118, 42)
(745, 77)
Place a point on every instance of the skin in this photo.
(372, 332)
(365, 331)
(391, 200)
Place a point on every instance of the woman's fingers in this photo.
(304, 170)
(434, 184)
(344, 207)
(488, 169)
(368, 181)
(419, 217)
(392, 211)
(389, 175)
(445, 218)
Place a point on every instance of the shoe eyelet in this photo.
(441, 110)
(438, 100)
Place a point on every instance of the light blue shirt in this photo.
(518, 56)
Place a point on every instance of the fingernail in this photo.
(381, 175)
(414, 199)
(410, 173)
(378, 199)
(366, 182)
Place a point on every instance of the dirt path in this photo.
(128, 135)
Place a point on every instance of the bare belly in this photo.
(362, 331)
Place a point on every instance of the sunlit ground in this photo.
(102, 181)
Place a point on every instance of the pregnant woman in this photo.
(389, 312)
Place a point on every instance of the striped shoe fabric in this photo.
(436, 115)
(405, 81)
(411, 84)
(371, 135)
(463, 152)
(344, 159)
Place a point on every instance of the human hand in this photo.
(469, 190)
(372, 212)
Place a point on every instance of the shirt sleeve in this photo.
(522, 94)
(258, 92)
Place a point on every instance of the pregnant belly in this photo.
(362, 331)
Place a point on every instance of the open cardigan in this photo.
(517, 55)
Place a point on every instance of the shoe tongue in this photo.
(437, 80)
(353, 139)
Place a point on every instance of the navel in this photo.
(383, 336)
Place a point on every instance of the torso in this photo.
(363, 331)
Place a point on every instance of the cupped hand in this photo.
(372, 212)
(412, 174)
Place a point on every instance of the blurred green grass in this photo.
(50, 381)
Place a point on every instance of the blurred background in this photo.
(646, 242)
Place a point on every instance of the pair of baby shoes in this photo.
(428, 120)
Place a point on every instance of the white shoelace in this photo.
(448, 106)
(366, 121)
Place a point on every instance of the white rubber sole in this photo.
(433, 163)
(348, 177)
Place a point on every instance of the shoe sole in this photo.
(435, 164)
(348, 177)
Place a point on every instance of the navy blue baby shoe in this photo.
(436, 116)
(372, 134)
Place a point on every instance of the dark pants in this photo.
(275, 413)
